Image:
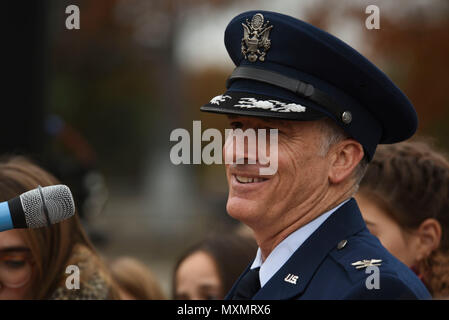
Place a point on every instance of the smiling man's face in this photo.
(302, 172)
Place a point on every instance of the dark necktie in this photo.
(248, 285)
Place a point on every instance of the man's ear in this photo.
(345, 156)
(428, 237)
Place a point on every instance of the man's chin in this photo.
(244, 210)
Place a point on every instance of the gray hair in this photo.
(333, 134)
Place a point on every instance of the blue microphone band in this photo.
(5, 217)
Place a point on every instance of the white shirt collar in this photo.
(284, 250)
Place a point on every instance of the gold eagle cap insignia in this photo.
(255, 41)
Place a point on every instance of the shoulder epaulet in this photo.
(357, 256)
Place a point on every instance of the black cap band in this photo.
(298, 87)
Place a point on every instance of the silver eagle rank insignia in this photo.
(255, 42)
(367, 263)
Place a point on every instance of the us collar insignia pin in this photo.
(255, 42)
(366, 263)
(291, 278)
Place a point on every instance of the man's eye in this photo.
(236, 125)
(272, 128)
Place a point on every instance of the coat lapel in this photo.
(232, 291)
(343, 223)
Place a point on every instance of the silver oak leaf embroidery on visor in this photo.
(219, 99)
(271, 105)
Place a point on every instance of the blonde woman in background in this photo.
(135, 280)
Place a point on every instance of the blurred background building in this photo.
(96, 106)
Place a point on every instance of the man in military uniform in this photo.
(331, 107)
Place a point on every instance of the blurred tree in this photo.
(412, 47)
(100, 85)
(116, 79)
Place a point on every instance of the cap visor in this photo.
(251, 104)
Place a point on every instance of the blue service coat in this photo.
(322, 269)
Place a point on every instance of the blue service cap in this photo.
(289, 69)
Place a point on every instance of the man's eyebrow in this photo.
(279, 122)
(268, 120)
(14, 249)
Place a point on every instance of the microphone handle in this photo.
(5, 217)
(12, 215)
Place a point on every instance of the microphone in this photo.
(40, 207)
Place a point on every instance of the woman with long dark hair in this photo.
(208, 270)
